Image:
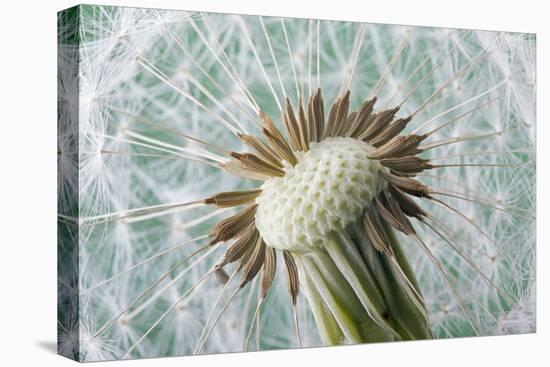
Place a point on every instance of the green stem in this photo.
(407, 312)
(360, 295)
(328, 327)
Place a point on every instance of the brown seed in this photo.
(320, 114)
(407, 184)
(342, 117)
(397, 212)
(407, 164)
(303, 128)
(238, 249)
(248, 254)
(270, 126)
(221, 276)
(236, 168)
(277, 140)
(263, 150)
(291, 126)
(254, 163)
(381, 121)
(316, 117)
(231, 227)
(344, 131)
(268, 273)
(376, 233)
(337, 116)
(364, 125)
(233, 198)
(390, 131)
(386, 215)
(330, 122)
(254, 264)
(364, 114)
(393, 214)
(398, 147)
(407, 205)
(292, 273)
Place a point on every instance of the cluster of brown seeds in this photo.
(393, 206)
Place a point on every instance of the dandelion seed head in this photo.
(324, 192)
(98, 115)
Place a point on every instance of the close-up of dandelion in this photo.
(231, 183)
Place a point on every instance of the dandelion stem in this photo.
(328, 327)
(346, 324)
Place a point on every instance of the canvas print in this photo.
(232, 183)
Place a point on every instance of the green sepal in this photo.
(360, 295)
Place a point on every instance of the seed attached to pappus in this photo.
(333, 193)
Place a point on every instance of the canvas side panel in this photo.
(68, 183)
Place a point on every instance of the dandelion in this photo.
(230, 183)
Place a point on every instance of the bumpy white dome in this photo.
(329, 188)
